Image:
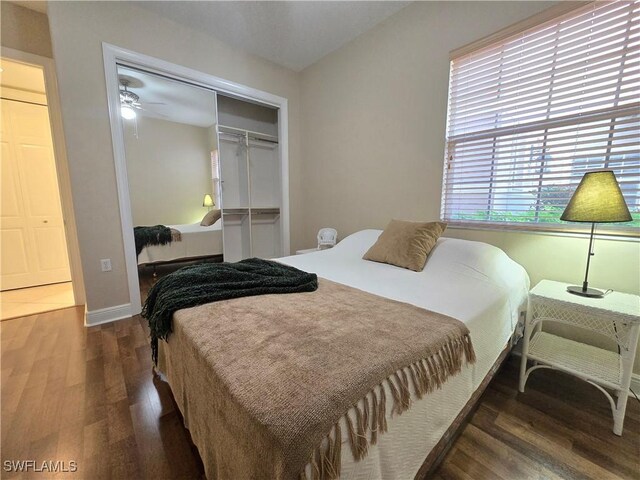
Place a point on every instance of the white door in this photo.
(33, 245)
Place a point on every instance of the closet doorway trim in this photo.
(114, 56)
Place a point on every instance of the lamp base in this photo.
(588, 292)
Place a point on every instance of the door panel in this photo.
(11, 201)
(34, 250)
(14, 260)
(40, 185)
(47, 240)
(30, 123)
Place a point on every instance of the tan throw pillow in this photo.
(406, 244)
(211, 217)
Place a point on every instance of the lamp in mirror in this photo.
(208, 201)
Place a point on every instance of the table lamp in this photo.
(208, 201)
(598, 199)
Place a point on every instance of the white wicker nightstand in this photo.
(616, 316)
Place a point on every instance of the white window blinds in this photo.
(530, 114)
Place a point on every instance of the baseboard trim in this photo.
(106, 315)
(635, 377)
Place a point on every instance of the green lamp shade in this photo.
(208, 201)
(598, 199)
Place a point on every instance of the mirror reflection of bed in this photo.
(171, 152)
(192, 243)
(204, 175)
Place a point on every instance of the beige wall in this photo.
(373, 130)
(25, 30)
(563, 257)
(169, 171)
(77, 32)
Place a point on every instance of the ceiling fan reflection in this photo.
(130, 101)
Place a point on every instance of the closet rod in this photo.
(240, 135)
(251, 134)
(246, 131)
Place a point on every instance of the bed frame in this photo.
(216, 258)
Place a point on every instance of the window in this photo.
(528, 115)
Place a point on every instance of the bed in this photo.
(473, 282)
(196, 242)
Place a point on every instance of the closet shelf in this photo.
(254, 210)
(265, 210)
(235, 211)
(251, 134)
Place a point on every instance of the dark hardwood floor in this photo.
(88, 395)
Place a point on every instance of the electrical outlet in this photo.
(105, 264)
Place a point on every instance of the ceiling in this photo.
(292, 34)
(170, 100)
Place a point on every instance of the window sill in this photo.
(628, 235)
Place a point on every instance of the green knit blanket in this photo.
(156, 235)
(210, 282)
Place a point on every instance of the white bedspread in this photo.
(197, 241)
(471, 281)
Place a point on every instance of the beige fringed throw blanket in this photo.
(264, 381)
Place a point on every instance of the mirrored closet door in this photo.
(191, 151)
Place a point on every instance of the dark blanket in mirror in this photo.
(155, 235)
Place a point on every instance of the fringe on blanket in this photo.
(370, 413)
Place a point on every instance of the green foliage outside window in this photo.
(550, 204)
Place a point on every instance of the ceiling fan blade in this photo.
(154, 113)
(154, 103)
